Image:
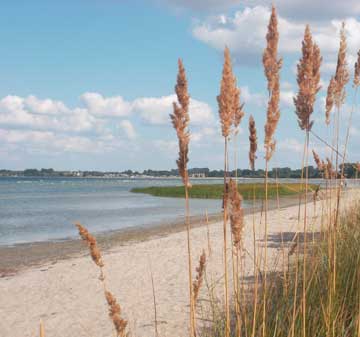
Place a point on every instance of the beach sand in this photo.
(64, 291)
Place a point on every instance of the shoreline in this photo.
(67, 296)
(22, 256)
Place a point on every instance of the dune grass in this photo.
(330, 313)
(215, 191)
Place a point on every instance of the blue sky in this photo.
(89, 84)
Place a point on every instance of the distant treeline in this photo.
(280, 172)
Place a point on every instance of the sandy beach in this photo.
(65, 293)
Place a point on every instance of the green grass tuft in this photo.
(215, 191)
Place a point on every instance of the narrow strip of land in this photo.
(216, 191)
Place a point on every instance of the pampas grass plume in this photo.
(200, 270)
(180, 120)
(253, 142)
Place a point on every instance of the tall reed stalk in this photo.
(252, 158)
(180, 120)
(336, 97)
(341, 79)
(308, 79)
(227, 101)
(237, 224)
(272, 65)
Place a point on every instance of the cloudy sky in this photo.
(88, 84)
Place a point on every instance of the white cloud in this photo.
(312, 10)
(248, 97)
(45, 106)
(287, 98)
(291, 145)
(128, 128)
(156, 110)
(46, 126)
(244, 33)
(286, 85)
(50, 142)
(17, 136)
(206, 133)
(169, 147)
(16, 111)
(98, 105)
(309, 10)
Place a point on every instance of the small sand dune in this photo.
(68, 297)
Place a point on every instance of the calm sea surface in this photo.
(41, 209)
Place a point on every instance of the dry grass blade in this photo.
(230, 109)
(180, 120)
(200, 270)
(253, 142)
(272, 67)
(236, 214)
(308, 79)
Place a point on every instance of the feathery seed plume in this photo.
(228, 99)
(318, 161)
(253, 142)
(317, 60)
(91, 241)
(329, 168)
(357, 71)
(271, 64)
(200, 270)
(115, 314)
(238, 109)
(114, 308)
(330, 99)
(180, 120)
(308, 78)
(236, 213)
(342, 74)
(272, 67)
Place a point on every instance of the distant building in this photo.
(197, 175)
